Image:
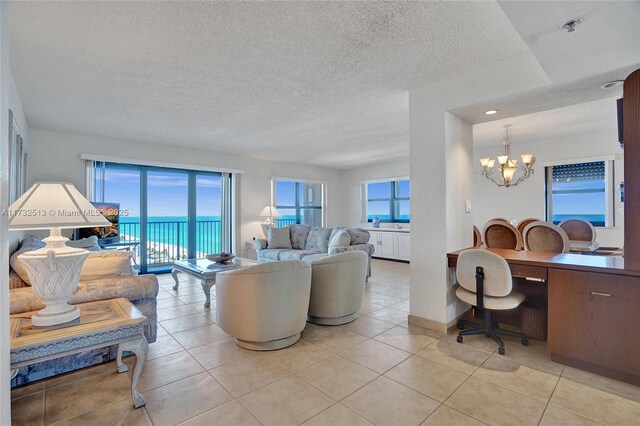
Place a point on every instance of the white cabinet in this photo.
(391, 244)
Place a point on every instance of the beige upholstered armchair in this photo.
(264, 306)
(337, 288)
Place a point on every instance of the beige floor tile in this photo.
(367, 326)
(162, 295)
(164, 345)
(388, 314)
(28, 410)
(198, 297)
(248, 374)
(170, 368)
(169, 302)
(381, 299)
(460, 357)
(200, 336)
(85, 373)
(176, 325)
(385, 402)
(337, 376)
(402, 306)
(184, 399)
(428, 377)
(186, 289)
(337, 415)
(397, 292)
(175, 312)
(375, 355)
(230, 414)
(369, 307)
(300, 355)
(494, 404)
(447, 416)
(479, 342)
(119, 413)
(554, 416)
(603, 407)
(602, 383)
(161, 331)
(31, 388)
(335, 339)
(411, 339)
(77, 398)
(536, 355)
(289, 401)
(520, 378)
(220, 352)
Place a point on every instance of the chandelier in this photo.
(503, 174)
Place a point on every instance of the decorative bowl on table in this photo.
(220, 258)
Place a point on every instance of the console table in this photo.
(102, 323)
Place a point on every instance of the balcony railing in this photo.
(284, 222)
(168, 241)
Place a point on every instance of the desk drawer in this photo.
(526, 271)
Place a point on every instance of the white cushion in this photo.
(89, 243)
(512, 300)
(111, 262)
(340, 239)
(278, 238)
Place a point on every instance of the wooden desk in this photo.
(594, 309)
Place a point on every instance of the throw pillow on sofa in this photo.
(112, 262)
(278, 238)
(339, 239)
(89, 243)
(318, 240)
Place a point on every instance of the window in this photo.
(389, 200)
(299, 202)
(580, 190)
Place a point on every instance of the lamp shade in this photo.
(54, 205)
(269, 211)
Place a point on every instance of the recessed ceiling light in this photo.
(491, 112)
(612, 84)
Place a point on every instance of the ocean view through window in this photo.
(299, 202)
(170, 214)
(580, 190)
(389, 200)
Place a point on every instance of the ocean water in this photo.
(595, 219)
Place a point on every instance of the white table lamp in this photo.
(54, 270)
(268, 212)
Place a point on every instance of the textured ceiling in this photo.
(322, 83)
(588, 117)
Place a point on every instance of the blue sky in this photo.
(579, 203)
(166, 192)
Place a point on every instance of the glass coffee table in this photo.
(205, 271)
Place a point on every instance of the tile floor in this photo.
(376, 370)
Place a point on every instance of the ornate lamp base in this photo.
(54, 271)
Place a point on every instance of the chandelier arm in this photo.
(490, 177)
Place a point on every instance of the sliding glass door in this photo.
(166, 214)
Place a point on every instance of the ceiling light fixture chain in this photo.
(503, 174)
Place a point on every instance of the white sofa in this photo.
(264, 307)
(337, 288)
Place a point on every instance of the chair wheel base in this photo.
(459, 339)
(525, 341)
(501, 350)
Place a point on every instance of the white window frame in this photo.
(609, 190)
(364, 196)
(323, 196)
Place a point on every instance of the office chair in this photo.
(545, 237)
(485, 282)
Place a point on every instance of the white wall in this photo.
(528, 198)
(56, 156)
(350, 188)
